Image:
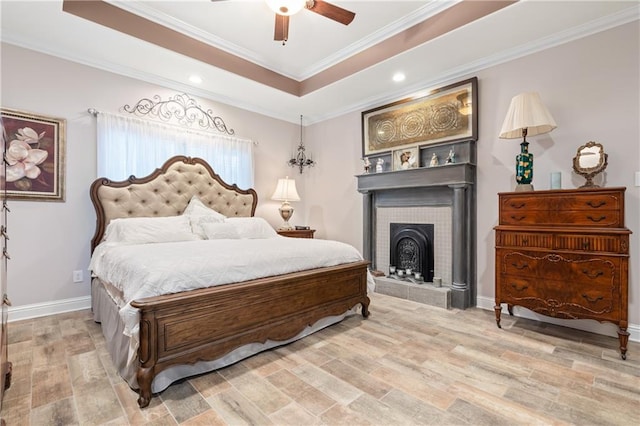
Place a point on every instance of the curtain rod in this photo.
(94, 112)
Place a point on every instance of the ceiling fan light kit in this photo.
(286, 7)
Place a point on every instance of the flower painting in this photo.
(33, 147)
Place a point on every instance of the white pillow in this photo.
(199, 214)
(218, 231)
(142, 230)
(252, 227)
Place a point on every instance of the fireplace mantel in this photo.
(445, 175)
(445, 185)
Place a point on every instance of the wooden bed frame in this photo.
(205, 324)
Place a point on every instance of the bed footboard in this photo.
(203, 325)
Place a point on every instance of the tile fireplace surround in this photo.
(449, 185)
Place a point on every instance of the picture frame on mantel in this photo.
(35, 155)
(446, 114)
(406, 158)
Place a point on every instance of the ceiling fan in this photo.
(286, 8)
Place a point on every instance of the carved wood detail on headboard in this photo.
(166, 192)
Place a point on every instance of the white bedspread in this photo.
(144, 270)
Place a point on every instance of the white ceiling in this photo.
(245, 28)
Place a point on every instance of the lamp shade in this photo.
(286, 190)
(526, 111)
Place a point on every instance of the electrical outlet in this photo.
(77, 276)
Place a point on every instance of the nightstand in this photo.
(297, 233)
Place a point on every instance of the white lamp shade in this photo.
(526, 111)
(286, 7)
(286, 190)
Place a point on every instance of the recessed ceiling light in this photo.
(195, 79)
(397, 77)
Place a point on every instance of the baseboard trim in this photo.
(49, 308)
(592, 326)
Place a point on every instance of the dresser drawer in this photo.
(600, 218)
(524, 239)
(577, 207)
(592, 243)
(555, 299)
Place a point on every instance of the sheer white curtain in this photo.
(132, 146)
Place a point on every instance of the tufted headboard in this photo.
(166, 192)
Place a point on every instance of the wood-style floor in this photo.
(408, 364)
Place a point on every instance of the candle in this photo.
(437, 281)
(392, 269)
(418, 275)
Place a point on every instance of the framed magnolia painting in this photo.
(446, 114)
(34, 147)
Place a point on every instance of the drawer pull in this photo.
(592, 275)
(592, 299)
(517, 218)
(601, 218)
(6, 301)
(5, 254)
(525, 241)
(585, 244)
(517, 206)
(3, 232)
(520, 265)
(521, 287)
(594, 205)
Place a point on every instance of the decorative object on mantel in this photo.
(451, 158)
(434, 160)
(527, 115)
(590, 160)
(285, 192)
(367, 165)
(446, 114)
(379, 165)
(180, 107)
(35, 156)
(301, 160)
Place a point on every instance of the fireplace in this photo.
(411, 247)
(442, 195)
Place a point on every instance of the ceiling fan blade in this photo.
(332, 11)
(281, 30)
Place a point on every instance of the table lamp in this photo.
(285, 192)
(527, 115)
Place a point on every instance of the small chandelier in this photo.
(300, 160)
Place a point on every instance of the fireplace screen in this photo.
(412, 247)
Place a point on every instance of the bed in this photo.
(157, 339)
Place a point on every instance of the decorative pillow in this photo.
(142, 230)
(219, 231)
(252, 227)
(199, 214)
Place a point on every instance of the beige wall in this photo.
(50, 239)
(590, 88)
(592, 92)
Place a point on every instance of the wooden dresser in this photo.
(565, 254)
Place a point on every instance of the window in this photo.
(131, 146)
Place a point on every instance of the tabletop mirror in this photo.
(589, 161)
